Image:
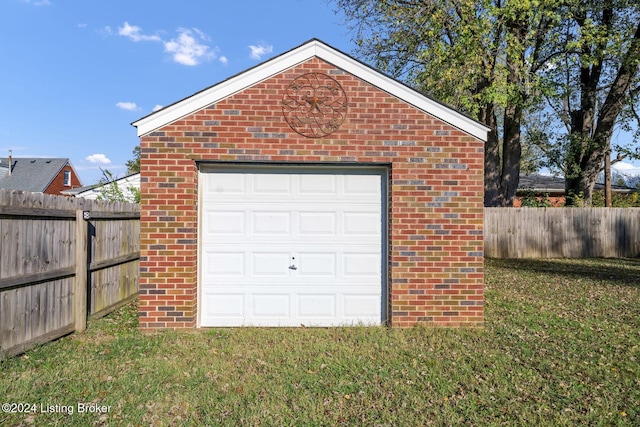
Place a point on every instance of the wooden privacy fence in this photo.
(62, 260)
(562, 232)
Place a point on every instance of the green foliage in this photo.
(617, 200)
(455, 51)
(560, 348)
(481, 57)
(109, 190)
(532, 200)
(133, 165)
(592, 83)
(508, 64)
(535, 147)
(575, 199)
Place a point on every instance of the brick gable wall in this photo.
(57, 185)
(435, 209)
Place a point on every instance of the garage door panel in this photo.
(317, 306)
(361, 307)
(270, 264)
(326, 260)
(355, 185)
(221, 264)
(284, 308)
(271, 223)
(271, 305)
(228, 183)
(271, 184)
(223, 305)
(361, 264)
(314, 223)
(314, 185)
(316, 264)
(225, 223)
(293, 220)
(361, 223)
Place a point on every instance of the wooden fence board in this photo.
(114, 265)
(562, 232)
(38, 264)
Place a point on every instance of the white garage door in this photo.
(290, 247)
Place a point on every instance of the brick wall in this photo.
(435, 209)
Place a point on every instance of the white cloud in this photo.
(38, 2)
(157, 107)
(135, 33)
(188, 49)
(223, 60)
(130, 106)
(626, 168)
(257, 52)
(98, 158)
(202, 34)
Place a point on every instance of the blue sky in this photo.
(76, 73)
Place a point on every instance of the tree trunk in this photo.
(511, 154)
(579, 190)
(501, 178)
(491, 159)
(501, 172)
(503, 186)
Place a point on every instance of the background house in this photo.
(38, 174)
(128, 185)
(552, 189)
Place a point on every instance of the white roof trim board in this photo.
(313, 48)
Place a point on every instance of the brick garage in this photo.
(409, 172)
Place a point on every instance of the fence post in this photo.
(80, 294)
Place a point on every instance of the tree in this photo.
(497, 60)
(133, 165)
(108, 189)
(480, 57)
(592, 83)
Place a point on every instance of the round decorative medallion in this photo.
(314, 105)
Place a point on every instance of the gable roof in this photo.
(33, 174)
(304, 52)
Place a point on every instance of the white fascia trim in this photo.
(314, 48)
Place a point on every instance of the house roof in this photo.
(77, 190)
(33, 174)
(556, 185)
(302, 53)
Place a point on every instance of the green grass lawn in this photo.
(561, 347)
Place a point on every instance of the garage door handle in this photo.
(293, 267)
